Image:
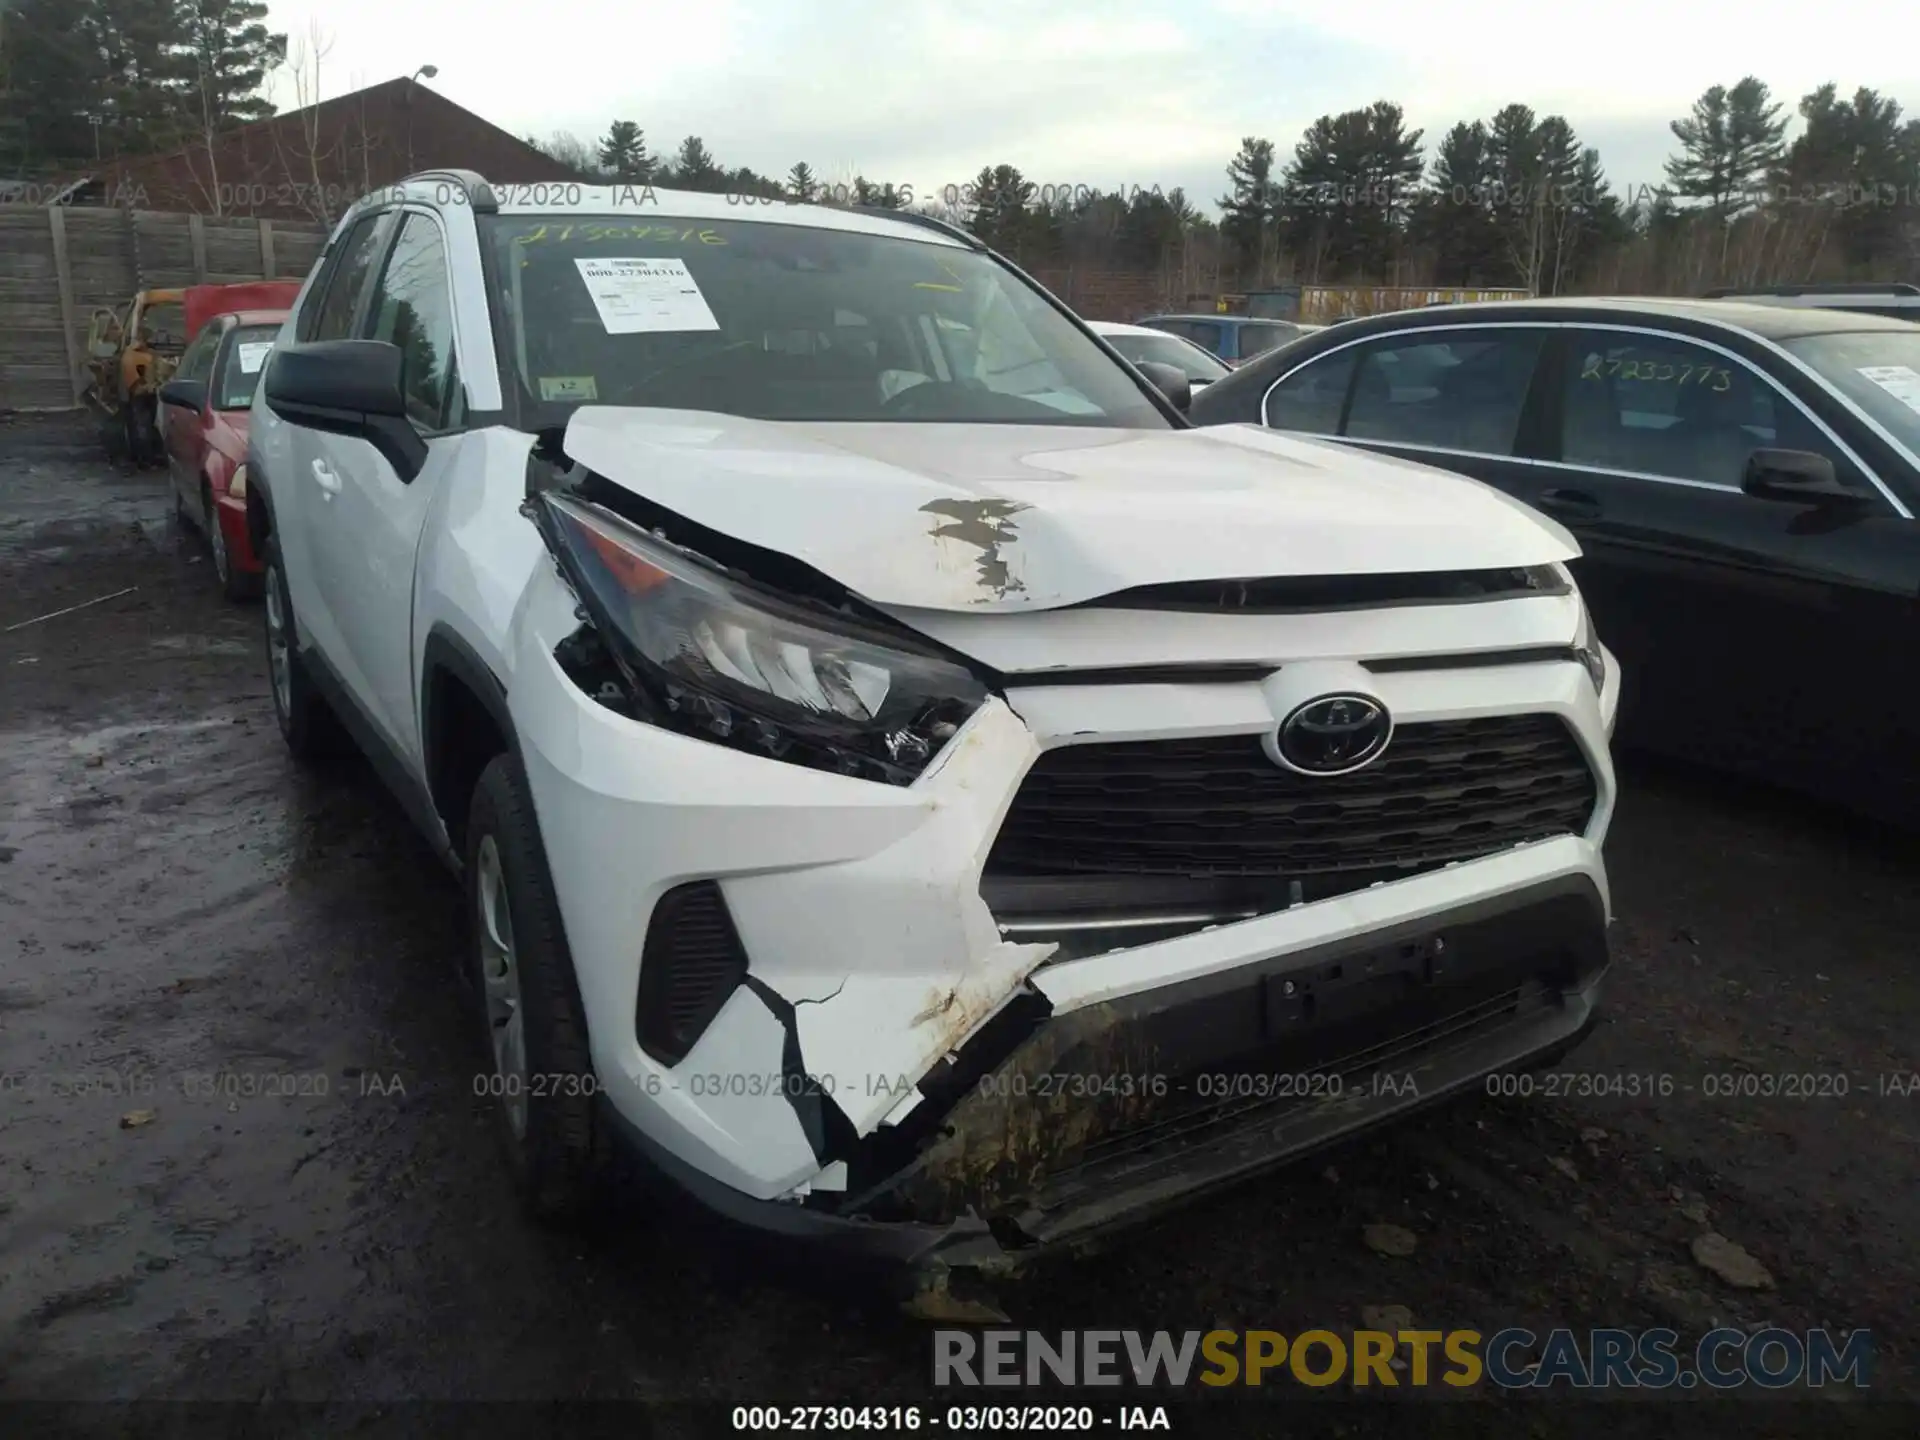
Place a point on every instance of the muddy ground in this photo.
(176, 901)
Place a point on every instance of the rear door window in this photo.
(1452, 390)
(1310, 399)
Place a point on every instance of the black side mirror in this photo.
(1170, 381)
(1797, 476)
(347, 387)
(192, 394)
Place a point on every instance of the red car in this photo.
(204, 411)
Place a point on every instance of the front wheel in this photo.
(305, 723)
(542, 1082)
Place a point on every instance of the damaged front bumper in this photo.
(1074, 1135)
(892, 1067)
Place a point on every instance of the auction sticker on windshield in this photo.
(633, 296)
(1900, 381)
(253, 354)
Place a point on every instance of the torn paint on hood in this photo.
(970, 517)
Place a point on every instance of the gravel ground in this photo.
(177, 900)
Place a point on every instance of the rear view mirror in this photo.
(347, 387)
(1796, 476)
(1169, 381)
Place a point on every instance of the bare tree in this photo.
(303, 167)
(207, 123)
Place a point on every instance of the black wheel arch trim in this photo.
(388, 764)
(448, 653)
(259, 504)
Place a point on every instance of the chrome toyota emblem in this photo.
(1332, 735)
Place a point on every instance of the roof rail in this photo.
(1876, 287)
(479, 194)
(925, 222)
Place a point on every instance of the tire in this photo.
(554, 1140)
(233, 584)
(306, 724)
(113, 437)
(143, 438)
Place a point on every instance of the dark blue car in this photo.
(1234, 338)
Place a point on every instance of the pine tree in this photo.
(1731, 142)
(1001, 206)
(801, 185)
(55, 90)
(1852, 161)
(886, 197)
(225, 52)
(1454, 218)
(694, 167)
(1349, 190)
(623, 153)
(1251, 212)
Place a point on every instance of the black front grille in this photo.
(1293, 594)
(691, 963)
(1219, 808)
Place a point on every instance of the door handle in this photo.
(324, 476)
(1570, 504)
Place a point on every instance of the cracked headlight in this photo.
(1586, 648)
(714, 656)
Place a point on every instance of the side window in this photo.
(197, 362)
(1205, 334)
(1453, 389)
(1665, 406)
(328, 313)
(1309, 400)
(413, 310)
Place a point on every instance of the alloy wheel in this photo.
(500, 976)
(279, 656)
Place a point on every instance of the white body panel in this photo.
(1018, 517)
(858, 903)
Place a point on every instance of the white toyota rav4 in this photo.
(910, 786)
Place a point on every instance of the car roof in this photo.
(642, 200)
(1216, 319)
(1770, 322)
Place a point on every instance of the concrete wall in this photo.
(58, 264)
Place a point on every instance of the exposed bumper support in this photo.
(1043, 1151)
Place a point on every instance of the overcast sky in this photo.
(1102, 93)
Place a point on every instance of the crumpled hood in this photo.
(1031, 517)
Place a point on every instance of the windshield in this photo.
(1193, 362)
(788, 322)
(164, 325)
(1878, 370)
(246, 357)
